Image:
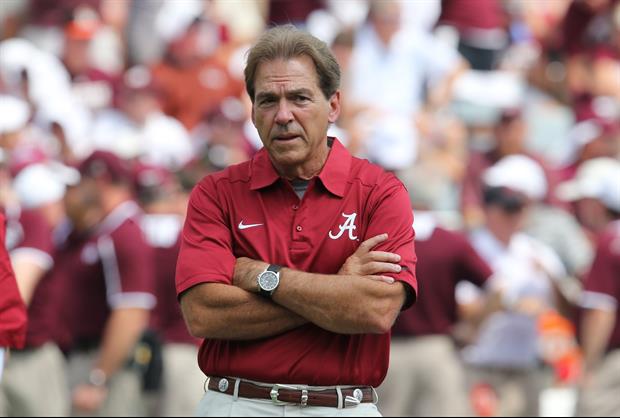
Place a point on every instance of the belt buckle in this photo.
(275, 393)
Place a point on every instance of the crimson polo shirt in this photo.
(12, 309)
(111, 268)
(445, 259)
(249, 211)
(604, 276)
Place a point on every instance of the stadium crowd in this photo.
(502, 118)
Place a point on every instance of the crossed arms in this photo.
(358, 300)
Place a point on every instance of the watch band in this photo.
(274, 268)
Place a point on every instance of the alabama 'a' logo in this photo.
(349, 226)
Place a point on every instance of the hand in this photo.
(246, 273)
(372, 264)
(89, 398)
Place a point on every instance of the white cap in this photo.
(596, 179)
(40, 184)
(519, 173)
(174, 18)
(14, 114)
(610, 190)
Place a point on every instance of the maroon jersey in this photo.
(36, 244)
(603, 282)
(111, 268)
(163, 234)
(444, 259)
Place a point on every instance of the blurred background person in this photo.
(110, 276)
(164, 202)
(426, 375)
(504, 358)
(600, 323)
(36, 381)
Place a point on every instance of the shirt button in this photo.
(299, 228)
(295, 207)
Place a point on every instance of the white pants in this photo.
(1, 362)
(216, 404)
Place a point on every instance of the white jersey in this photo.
(523, 269)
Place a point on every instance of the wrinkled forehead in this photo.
(286, 74)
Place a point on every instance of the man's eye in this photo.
(302, 98)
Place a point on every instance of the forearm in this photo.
(123, 330)
(597, 326)
(28, 276)
(219, 311)
(341, 304)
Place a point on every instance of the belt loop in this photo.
(340, 401)
(375, 396)
(236, 391)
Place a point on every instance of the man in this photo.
(329, 235)
(165, 203)
(12, 309)
(510, 134)
(527, 275)
(109, 271)
(426, 376)
(35, 382)
(600, 324)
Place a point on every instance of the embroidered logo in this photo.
(242, 226)
(349, 225)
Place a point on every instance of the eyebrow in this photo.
(297, 92)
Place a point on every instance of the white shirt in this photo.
(523, 269)
(392, 78)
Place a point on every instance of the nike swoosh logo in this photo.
(242, 226)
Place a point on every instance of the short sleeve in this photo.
(37, 245)
(128, 268)
(603, 279)
(471, 266)
(206, 254)
(392, 214)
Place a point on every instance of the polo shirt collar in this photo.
(334, 176)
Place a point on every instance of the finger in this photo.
(379, 268)
(382, 256)
(383, 279)
(368, 245)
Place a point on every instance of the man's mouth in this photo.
(287, 137)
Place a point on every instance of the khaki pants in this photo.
(602, 397)
(183, 380)
(125, 396)
(517, 391)
(35, 384)
(425, 378)
(215, 404)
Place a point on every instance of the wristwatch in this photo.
(269, 280)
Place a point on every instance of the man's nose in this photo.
(284, 116)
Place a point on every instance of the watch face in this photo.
(269, 281)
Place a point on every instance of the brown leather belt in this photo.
(284, 394)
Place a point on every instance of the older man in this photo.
(295, 265)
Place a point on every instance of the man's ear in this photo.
(334, 107)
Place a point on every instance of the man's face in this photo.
(290, 111)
